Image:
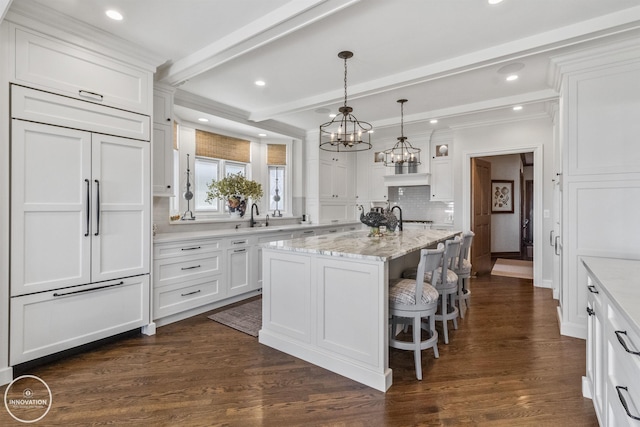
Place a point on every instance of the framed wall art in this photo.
(501, 196)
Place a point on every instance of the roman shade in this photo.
(276, 154)
(222, 147)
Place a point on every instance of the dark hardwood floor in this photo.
(506, 365)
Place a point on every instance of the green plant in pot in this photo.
(235, 189)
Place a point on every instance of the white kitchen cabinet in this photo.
(81, 201)
(48, 322)
(612, 378)
(378, 191)
(80, 209)
(61, 67)
(441, 173)
(334, 179)
(187, 275)
(239, 267)
(256, 253)
(596, 346)
(163, 142)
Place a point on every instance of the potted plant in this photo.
(235, 189)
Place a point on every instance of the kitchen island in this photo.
(325, 298)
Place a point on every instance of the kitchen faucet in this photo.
(253, 205)
(400, 219)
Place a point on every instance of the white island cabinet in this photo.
(325, 298)
(613, 340)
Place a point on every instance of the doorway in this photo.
(523, 227)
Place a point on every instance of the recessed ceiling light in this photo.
(332, 115)
(202, 119)
(260, 83)
(433, 121)
(517, 108)
(114, 14)
(262, 134)
(512, 77)
(494, 1)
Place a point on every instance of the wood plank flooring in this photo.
(506, 365)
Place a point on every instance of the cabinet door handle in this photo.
(87, 290)
(190, 249)
(590, 311)
(92, 95)
(190, 293)
(239, 250)
(97, 208)
(190, 268)
(619, 335)
(592, 289)
(555, 249)
(624, 402)
(88, 206)
(551, 238)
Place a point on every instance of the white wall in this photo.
(508, 138)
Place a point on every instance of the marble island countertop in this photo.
(358, 244)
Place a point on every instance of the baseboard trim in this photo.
(6, 375)
(507, 255)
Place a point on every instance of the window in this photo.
(234, 168)
(205, 171)
(277, 187)
(277, 165)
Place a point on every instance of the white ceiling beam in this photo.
(289, 18)
(607, 25)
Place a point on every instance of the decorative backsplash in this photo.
(415, 204)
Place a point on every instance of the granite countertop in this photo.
(358, 244)
(242, 232)
(620, 281)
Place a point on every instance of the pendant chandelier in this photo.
(403, 155)
(345, 133)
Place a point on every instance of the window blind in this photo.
(222, 147)
(276, 154)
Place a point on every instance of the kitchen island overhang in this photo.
(325, 298)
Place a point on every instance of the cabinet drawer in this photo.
(44, 107)
(170, 270)
(49, 322)
(190, 247)
(625, 341)
(168, 300)
(622, 390)
(70, 70)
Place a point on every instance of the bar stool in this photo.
(405, 307)
(446, 283)
(463, 270)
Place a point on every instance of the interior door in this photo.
(50, 229)
(121, 206)
(481, 215)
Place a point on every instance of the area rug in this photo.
(513, 268)
(246, 317)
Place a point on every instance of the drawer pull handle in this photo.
(240, 242)
(333, 231)
(590, 311)
(87, 290)
(307, 232)
(190, 268)
(624, 402)
(239, 250)
(190, 249)
(592, 289)
(624, 344)
(190, 293)
(91, 95)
